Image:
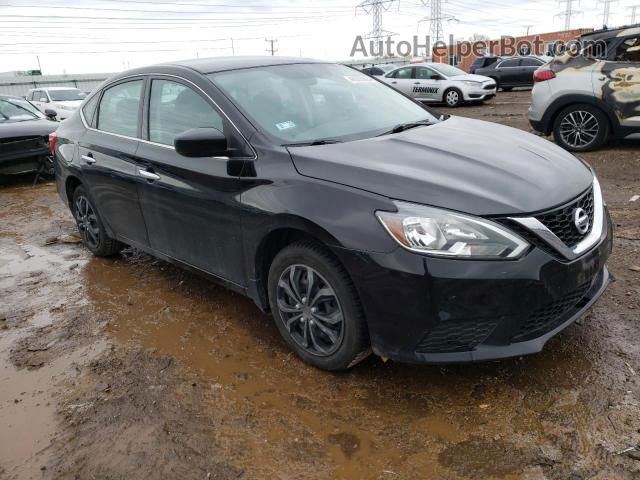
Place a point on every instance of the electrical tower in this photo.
(435, 18)
(634, 13)
(568, 13)
(271, 47)
(606, 11)
(375, 9)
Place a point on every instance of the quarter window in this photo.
(89, 109)
(175, 108)
(118, 111)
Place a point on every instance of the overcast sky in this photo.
(77, 36)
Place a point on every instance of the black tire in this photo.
(92, 231)
(352, 337)
(451, 101)
(507, 89)
(594, 127)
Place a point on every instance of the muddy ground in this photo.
(129, 368)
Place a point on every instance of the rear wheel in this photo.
(581, 128)
(316, 307)
(92, 231)
(453, 97)
(507, 89)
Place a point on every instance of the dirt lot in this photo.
(129, 368)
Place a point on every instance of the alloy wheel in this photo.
(452, 98)
(310, 310)
(87, 222)
(579, 128)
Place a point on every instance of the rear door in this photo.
(402, 80)
(510, 72)
(527, 67)
(191, 205)
(108, 163)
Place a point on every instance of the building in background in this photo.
(463, 54)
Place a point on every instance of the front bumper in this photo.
(22, 162)
(478, 94)
(423, 309)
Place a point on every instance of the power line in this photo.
(634, 13)
(375, 9)
(568, 13)
(606, 10)
(435, 18)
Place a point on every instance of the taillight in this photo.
(53, 139)
(543, 75)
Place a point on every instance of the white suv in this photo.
(588, 97)
(64, 100)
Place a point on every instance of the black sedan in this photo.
(24, 136)
(361, 219)
(510, 72)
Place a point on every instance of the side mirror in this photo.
(51, 114)
(201, 142)
(44, 100)
(437, 77)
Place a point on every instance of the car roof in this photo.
(613, 32)
(220, 64)
(53, 88)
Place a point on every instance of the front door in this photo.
(191, 206)
(427, 85)
(107, 159)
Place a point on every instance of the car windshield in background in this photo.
(305, 103)
(448, 70)
(66, 95)
(16, 110)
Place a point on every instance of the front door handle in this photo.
(148, 175)
(89, 159)
(394, 83)
(416, 83)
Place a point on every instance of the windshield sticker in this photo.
(285, 125)
(359, 79)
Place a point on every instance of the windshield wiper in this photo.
(406, 126)
(324, 141)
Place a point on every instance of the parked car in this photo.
(24, 137)
(378, 70)
(441, 83)
(483, 62)
(513, 72)
(587, 98)
(360, 218)
(64, 100)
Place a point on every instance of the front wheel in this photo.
(92, 231)
(316, 307)
(453, 98)
(581, 128)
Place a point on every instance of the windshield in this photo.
(66, 95)
(17, 110)
(309, 102)
(448, 70)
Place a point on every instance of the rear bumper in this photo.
(427, 310)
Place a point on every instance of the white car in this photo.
(64, 100)
(440, 83)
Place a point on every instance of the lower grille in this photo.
(489, 87)
(551, 316)
(449, 337)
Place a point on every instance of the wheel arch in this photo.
(71, 183)
(563, 102)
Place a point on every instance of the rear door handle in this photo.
(394, 83)
(89, 159)
(148, 175)
(416, 83)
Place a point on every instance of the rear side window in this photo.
(175, 108)
(629, 50)
(510, 63)
(118, 111)
(89, 110)
(531, 62)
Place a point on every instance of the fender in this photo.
(549, 117)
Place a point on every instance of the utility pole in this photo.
(634, 13)
(271, 48)
(375, 9)
(527, 28)
(233, 50)
(39, 66)
(568, 13)
(606, 11)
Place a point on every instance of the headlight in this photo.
(448, 234)
(469, 83)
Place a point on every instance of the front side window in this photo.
(403, 73)
(66, 95)
(118, 111)
(308, 102)
(175, 108)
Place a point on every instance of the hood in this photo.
(471, 77)
(28, 128)
(460, 164)
(69, 103)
